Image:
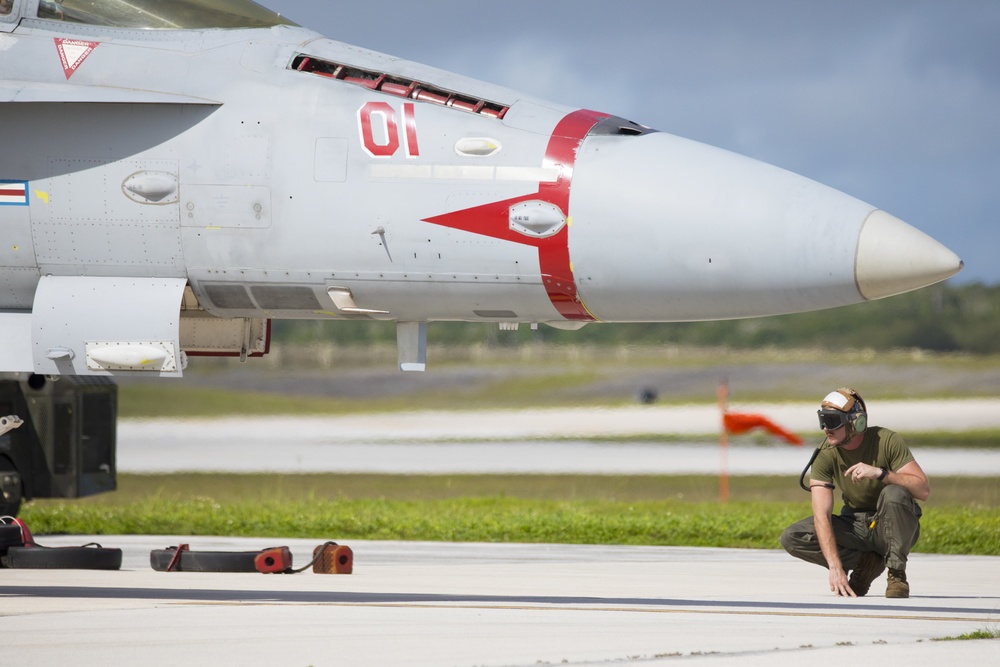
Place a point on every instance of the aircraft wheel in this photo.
(10, 488)
(63, 558)
(10, 536)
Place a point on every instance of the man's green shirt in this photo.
(880, 447)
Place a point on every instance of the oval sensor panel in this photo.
(477, 147)
(151, 187)
(537, 219)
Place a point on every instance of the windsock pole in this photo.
(723, 395)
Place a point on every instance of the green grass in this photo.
(977, 634)
(175, 399)
(678, 511)
(982, 439)
(172, 399)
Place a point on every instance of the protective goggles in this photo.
(832, 420)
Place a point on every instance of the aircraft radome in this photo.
(174, 175)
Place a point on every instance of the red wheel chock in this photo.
(273, 561)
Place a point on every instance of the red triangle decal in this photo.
(72, 53)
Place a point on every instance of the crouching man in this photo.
(880, 482)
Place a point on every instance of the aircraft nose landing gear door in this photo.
(107, 326)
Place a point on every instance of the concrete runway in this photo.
(493, 604)
(528, 441)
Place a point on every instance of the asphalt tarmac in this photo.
(493, 604)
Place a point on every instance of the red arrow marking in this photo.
(553, 252)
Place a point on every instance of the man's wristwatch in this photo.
(885, 471)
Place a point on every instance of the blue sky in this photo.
(894, 102)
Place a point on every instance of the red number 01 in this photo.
(379, 118)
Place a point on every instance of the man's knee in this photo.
(897, 501)
(787, 540)
(895, 494)
(797, 534)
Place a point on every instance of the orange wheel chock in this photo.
(333, 558)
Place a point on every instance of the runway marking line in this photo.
(635, 610)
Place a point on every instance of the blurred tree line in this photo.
(942, 318)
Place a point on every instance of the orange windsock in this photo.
(738, 422)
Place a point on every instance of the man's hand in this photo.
(860, 471)
(838, 583)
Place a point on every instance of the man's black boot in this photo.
(870, 566)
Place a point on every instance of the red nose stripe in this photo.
(553, 252)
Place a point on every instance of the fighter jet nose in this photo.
(894, 257)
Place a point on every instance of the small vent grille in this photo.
(397, 86)
(284, 297)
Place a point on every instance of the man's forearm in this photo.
(827, 544)
(916, 485)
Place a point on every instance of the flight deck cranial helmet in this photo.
(843, 407)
